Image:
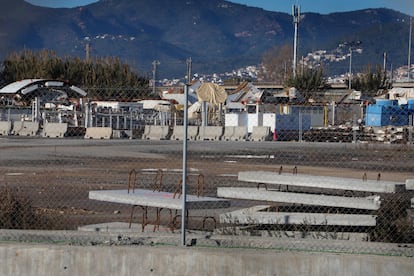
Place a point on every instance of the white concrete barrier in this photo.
(24, 128)
(98, 133)
(147, 131)
(367, 203)
(240, 134)
(322, 182)
(178, 133)
(211, 133)
(192, 132)
(5, 128)
(409, 184)
(55, 130)
(261, 133)
(261, 215)
(157, 133)
(228, 133)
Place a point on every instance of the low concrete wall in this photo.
(33, 259)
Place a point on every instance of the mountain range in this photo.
(218, 35)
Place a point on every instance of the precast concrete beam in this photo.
(149, 198)
(367, 203)
(259, 215)
(322, 182)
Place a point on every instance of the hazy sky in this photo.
(319, 6)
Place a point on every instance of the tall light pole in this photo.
(189, 67)
(350, 68)
(155, 63)
(296, 19)
(351, 45)
(409, 49)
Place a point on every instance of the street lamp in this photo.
(351, 45)
(155, 63)
(350, 68)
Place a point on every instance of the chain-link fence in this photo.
(321, 177)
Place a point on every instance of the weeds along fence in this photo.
(316, 178)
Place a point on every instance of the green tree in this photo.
(103, 78)
(307, 81)
(370, 83)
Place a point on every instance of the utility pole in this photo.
(350, 68)
(87, 51)
(409, 49)
(189, 67)
(155, 63)
(296, 19)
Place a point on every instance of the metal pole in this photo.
(409, 49)
(354, 128)
(184, 176)
(350, 69)
(189, 67)
(296, 15)
(154, 75)
(300, 127)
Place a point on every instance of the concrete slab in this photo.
(286, 236)
(123, 227)
(55, 130)
(409, 184)
(261, 133)
(260, 215)
(5, 128)
(323, 182)
(24, 128)
(98, 133)
(368, 203)
(211, 133)
(149, 198)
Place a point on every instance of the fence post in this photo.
(184, 176)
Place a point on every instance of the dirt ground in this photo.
(56, 177)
